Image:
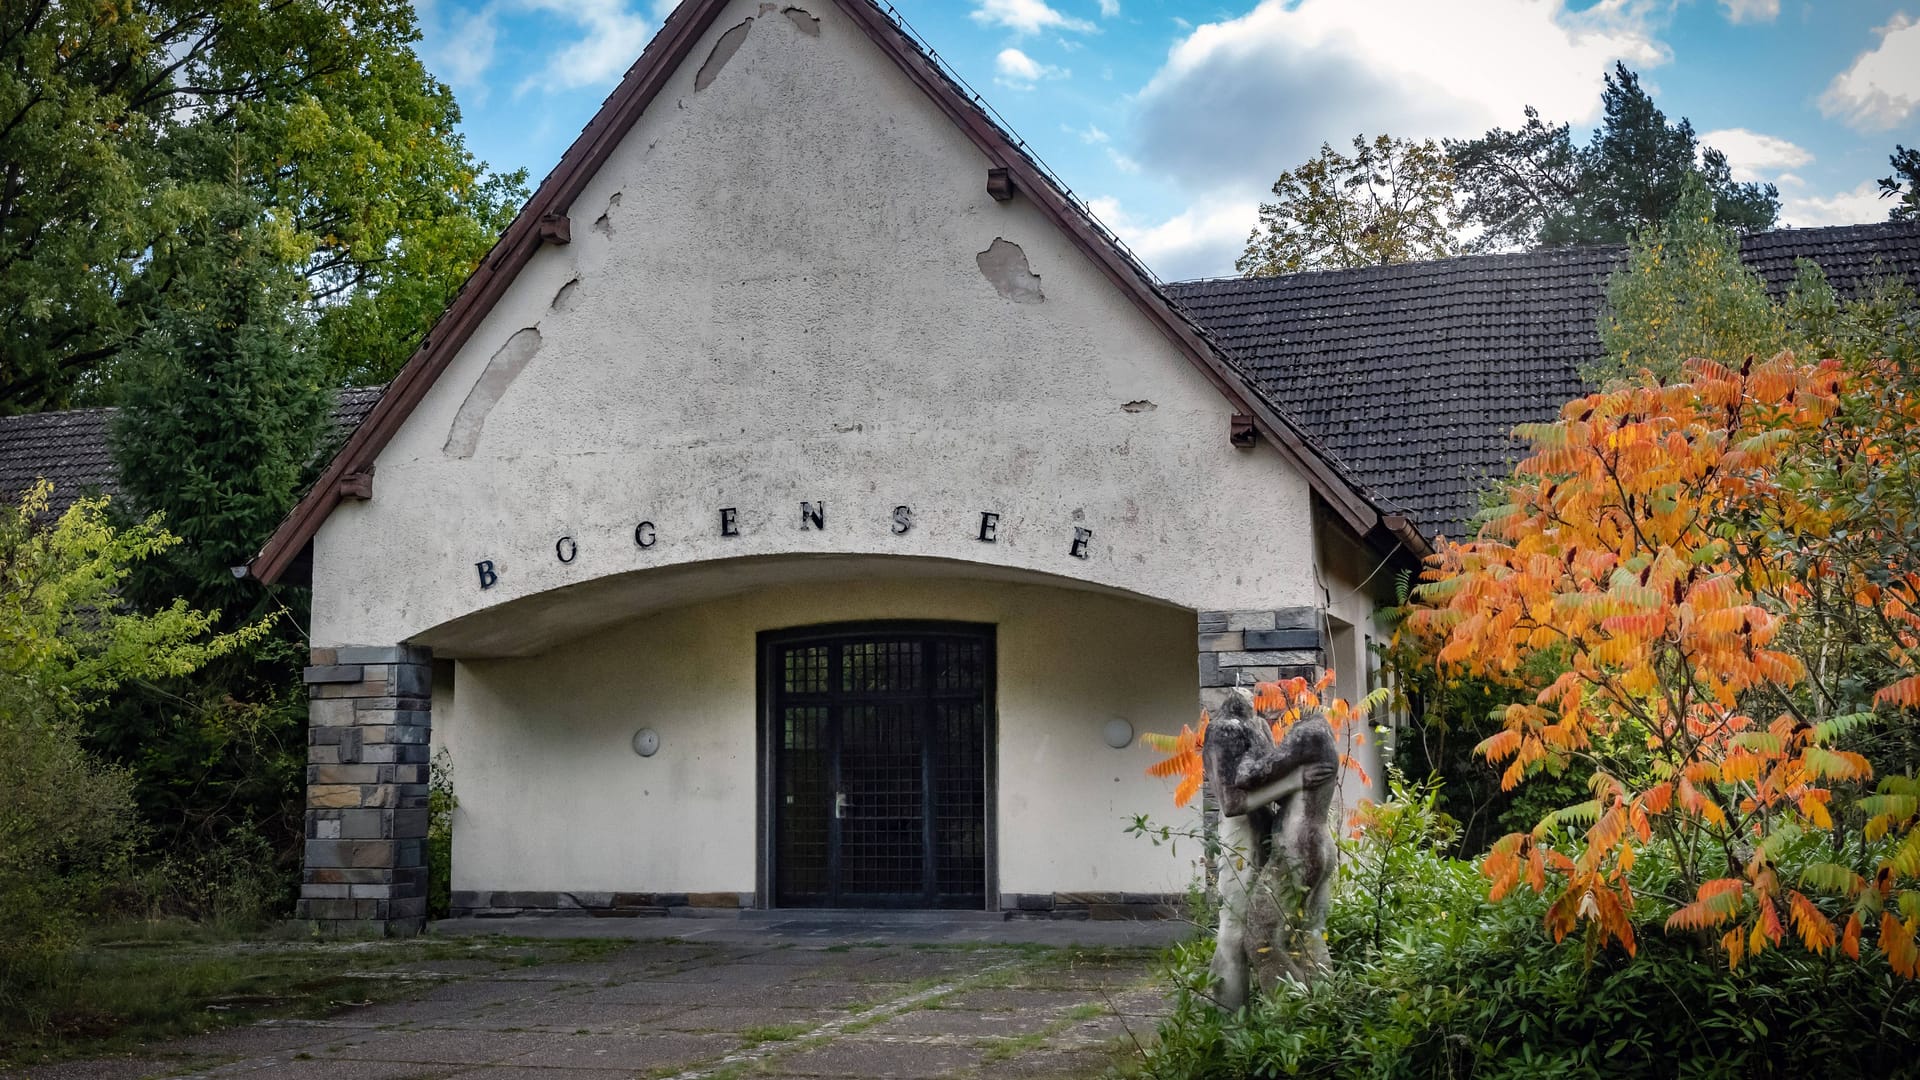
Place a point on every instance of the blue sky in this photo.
(1173, 118)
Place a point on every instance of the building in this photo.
(807, 504)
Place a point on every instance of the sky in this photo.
(1172, 119)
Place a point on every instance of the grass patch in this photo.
(135, 983)
(766, 1033)
(1003, 1049)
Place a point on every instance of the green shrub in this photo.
(1433, 980)
(67, 821)
(440, 806)
(67, 829)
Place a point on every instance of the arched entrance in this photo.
(877, 751)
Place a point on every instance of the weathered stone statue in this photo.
(1278, 851)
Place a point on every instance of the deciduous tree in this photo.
(66, 642)
(1681, 547)
(123, 123)
(1390, 202)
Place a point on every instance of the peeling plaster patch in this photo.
(568, 296)
(1142, 405)
(502, 369)
(1005, 266)
(723, 51)
(808, 22)
(604, 223)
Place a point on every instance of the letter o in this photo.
(565, 549)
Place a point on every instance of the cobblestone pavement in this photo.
(726, 1001)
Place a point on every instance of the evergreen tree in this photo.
(1534, 187)
(1903, 184)
(222, 410)
(225, 404)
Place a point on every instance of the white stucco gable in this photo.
(793, 335)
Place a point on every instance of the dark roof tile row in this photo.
(1413, 375)
(74, 451)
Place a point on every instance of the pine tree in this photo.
(1535, 187)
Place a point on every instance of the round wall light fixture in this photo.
(1119, 733)
(646, 742)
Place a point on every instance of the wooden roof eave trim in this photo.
(484, 287)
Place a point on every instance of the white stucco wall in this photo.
(772, 296)
(552, 797)
(1355, 583)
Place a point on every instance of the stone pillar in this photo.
(369, 716)
(1244, 647)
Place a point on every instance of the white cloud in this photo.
(1201, 241)
(663, 8)
(1882, 87)
(1109, 8)
(1754, 156)
(1019, 71)
(611, 40)
(1093, 136)
(458, 49)
(1240, 101)
(1025, 16)
(1740, 11)
(1243, 100)
(1859, 206)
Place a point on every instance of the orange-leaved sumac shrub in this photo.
(1281, 704)
(1704, 591)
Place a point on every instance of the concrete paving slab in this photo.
(960, 1022)
(1004, 999)
(664, 1007)
(836, 928)
(326, 1070)
(517, 1072)
(536, 1073)
(908, 1060)
(741, 1017)
(1053, 1065)
(445, 1046)
(626, 1051)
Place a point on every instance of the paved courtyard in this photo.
(723, 999)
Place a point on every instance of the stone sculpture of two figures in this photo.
(1277, 849)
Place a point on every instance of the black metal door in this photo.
(879, 741)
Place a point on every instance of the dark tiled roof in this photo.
(72, 450)
(1413, 375)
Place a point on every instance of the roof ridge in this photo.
(1784, 234)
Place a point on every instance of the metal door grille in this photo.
(879, 740)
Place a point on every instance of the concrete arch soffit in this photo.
(534, 623)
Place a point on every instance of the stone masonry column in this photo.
(368, 721)
(1244, 647)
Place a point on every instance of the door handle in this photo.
(840, 804)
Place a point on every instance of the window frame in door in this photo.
(767, 645)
